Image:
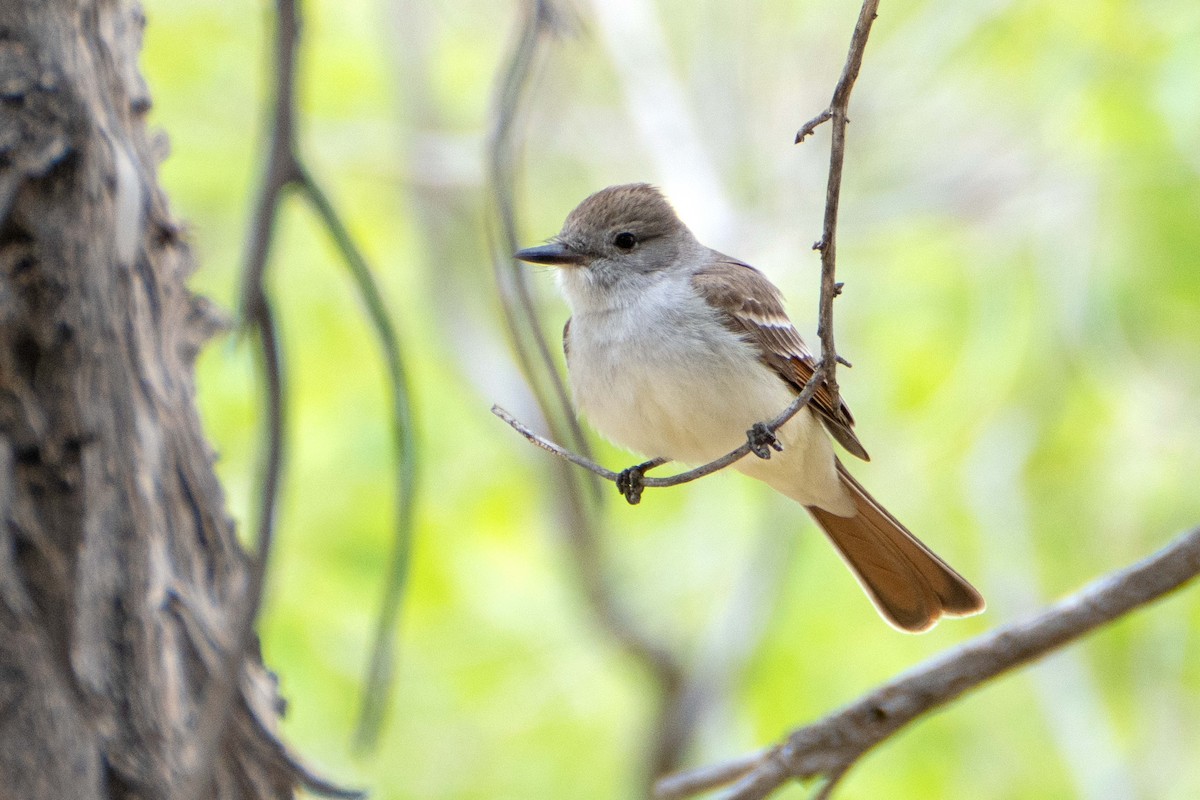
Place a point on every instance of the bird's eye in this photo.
(625, 240)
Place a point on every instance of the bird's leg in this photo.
(629, 481)
(763, 441)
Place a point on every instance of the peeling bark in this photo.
(120, 572)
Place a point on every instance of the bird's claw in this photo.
(763, 441)
(629, 482)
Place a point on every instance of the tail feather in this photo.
(910, 586)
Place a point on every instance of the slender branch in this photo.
(551, 447)
(810, 127)
(836, 114)
(833, 745)
(830, 784)
(732, 456)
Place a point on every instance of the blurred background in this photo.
(1020, 243)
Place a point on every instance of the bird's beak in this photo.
(555, 254)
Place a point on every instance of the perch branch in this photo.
(833, 745)
(736, 454)
(836, 114)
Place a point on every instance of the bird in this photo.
(676, 351)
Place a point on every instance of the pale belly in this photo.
(691, 398)
(673, 407)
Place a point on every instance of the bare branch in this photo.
(833, 745)
(831, 783)
(810, 127)
(551, 447)
(732, 456)
(836, 114)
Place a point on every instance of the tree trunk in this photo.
(120, 573)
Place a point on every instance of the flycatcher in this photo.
(675, 350)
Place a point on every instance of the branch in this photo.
(832, 746)
(736, 454)
(836, 113)
(704, 779)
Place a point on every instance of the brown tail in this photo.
(910, 586)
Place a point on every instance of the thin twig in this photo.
(701, 471)
(831, 783)
(810, 127)
(836, 114)
(557, 450)
(833, 745)
(732, 456)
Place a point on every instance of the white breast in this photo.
(662, 376)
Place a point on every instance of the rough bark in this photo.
(120, 572)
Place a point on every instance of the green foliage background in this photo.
(1021, 249)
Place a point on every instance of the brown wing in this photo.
(753, 309)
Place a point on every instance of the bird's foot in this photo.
(629, 481)
(763, 441)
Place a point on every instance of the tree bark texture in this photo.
(120, 573)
